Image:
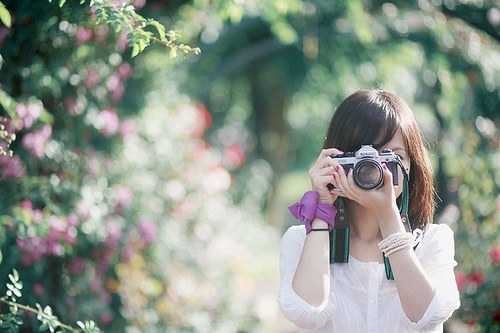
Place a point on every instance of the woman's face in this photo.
(398, 146)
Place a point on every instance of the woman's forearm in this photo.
(312, 277)
(414, 286)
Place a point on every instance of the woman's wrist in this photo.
(390, 222)
(309, 210)
(319, 224)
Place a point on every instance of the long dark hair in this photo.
(374, 117)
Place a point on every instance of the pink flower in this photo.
(115, 87)
(125, 71)
(103, 264)
(204, 120)
(129, 252)
(139, 3)
(147, 231)
(57, 225)
(108, 122)
(106, 318)
(72, 220)
(34, 142)
(477, 277)
(9, 127)
(127, 128)
(28, 113)
(83, 35)
(77, 266)
(113, 82)
(74, 106)
(33, 249)
(124, 198)
(495, 254)
(95, 286)
(37, 216)
(234, 156)
(93, 163)
(27, 204)
(70, 236)
(54, 248)
(461, 279)
(93, 78)
(83, 211)
(114, 233)
(12, 167)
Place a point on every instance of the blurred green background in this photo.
(149, 193)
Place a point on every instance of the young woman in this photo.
(397, 275)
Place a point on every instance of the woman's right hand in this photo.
(322, 173)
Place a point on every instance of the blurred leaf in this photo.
(8, 103)
(135, 50)
(5, 16)
(159, 27)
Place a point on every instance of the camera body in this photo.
(367, 166)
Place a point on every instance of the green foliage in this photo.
(11, 321)
(77, 215)
(67, 94)
(125, 16)
(7, 137)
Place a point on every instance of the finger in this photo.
(328, 153)
(342, 175)
(322, 167)
(339, 182)
(321, 182)
(318, 171)
(387, 174)
(345, 183)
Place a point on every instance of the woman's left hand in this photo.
(381, 201)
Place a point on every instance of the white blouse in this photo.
(361, 298)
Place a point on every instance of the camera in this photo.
(367, 166)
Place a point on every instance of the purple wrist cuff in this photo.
(308, 208)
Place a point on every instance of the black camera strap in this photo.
(340, 235)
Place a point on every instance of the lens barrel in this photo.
(368, 174)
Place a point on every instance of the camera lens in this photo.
(368, 174)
